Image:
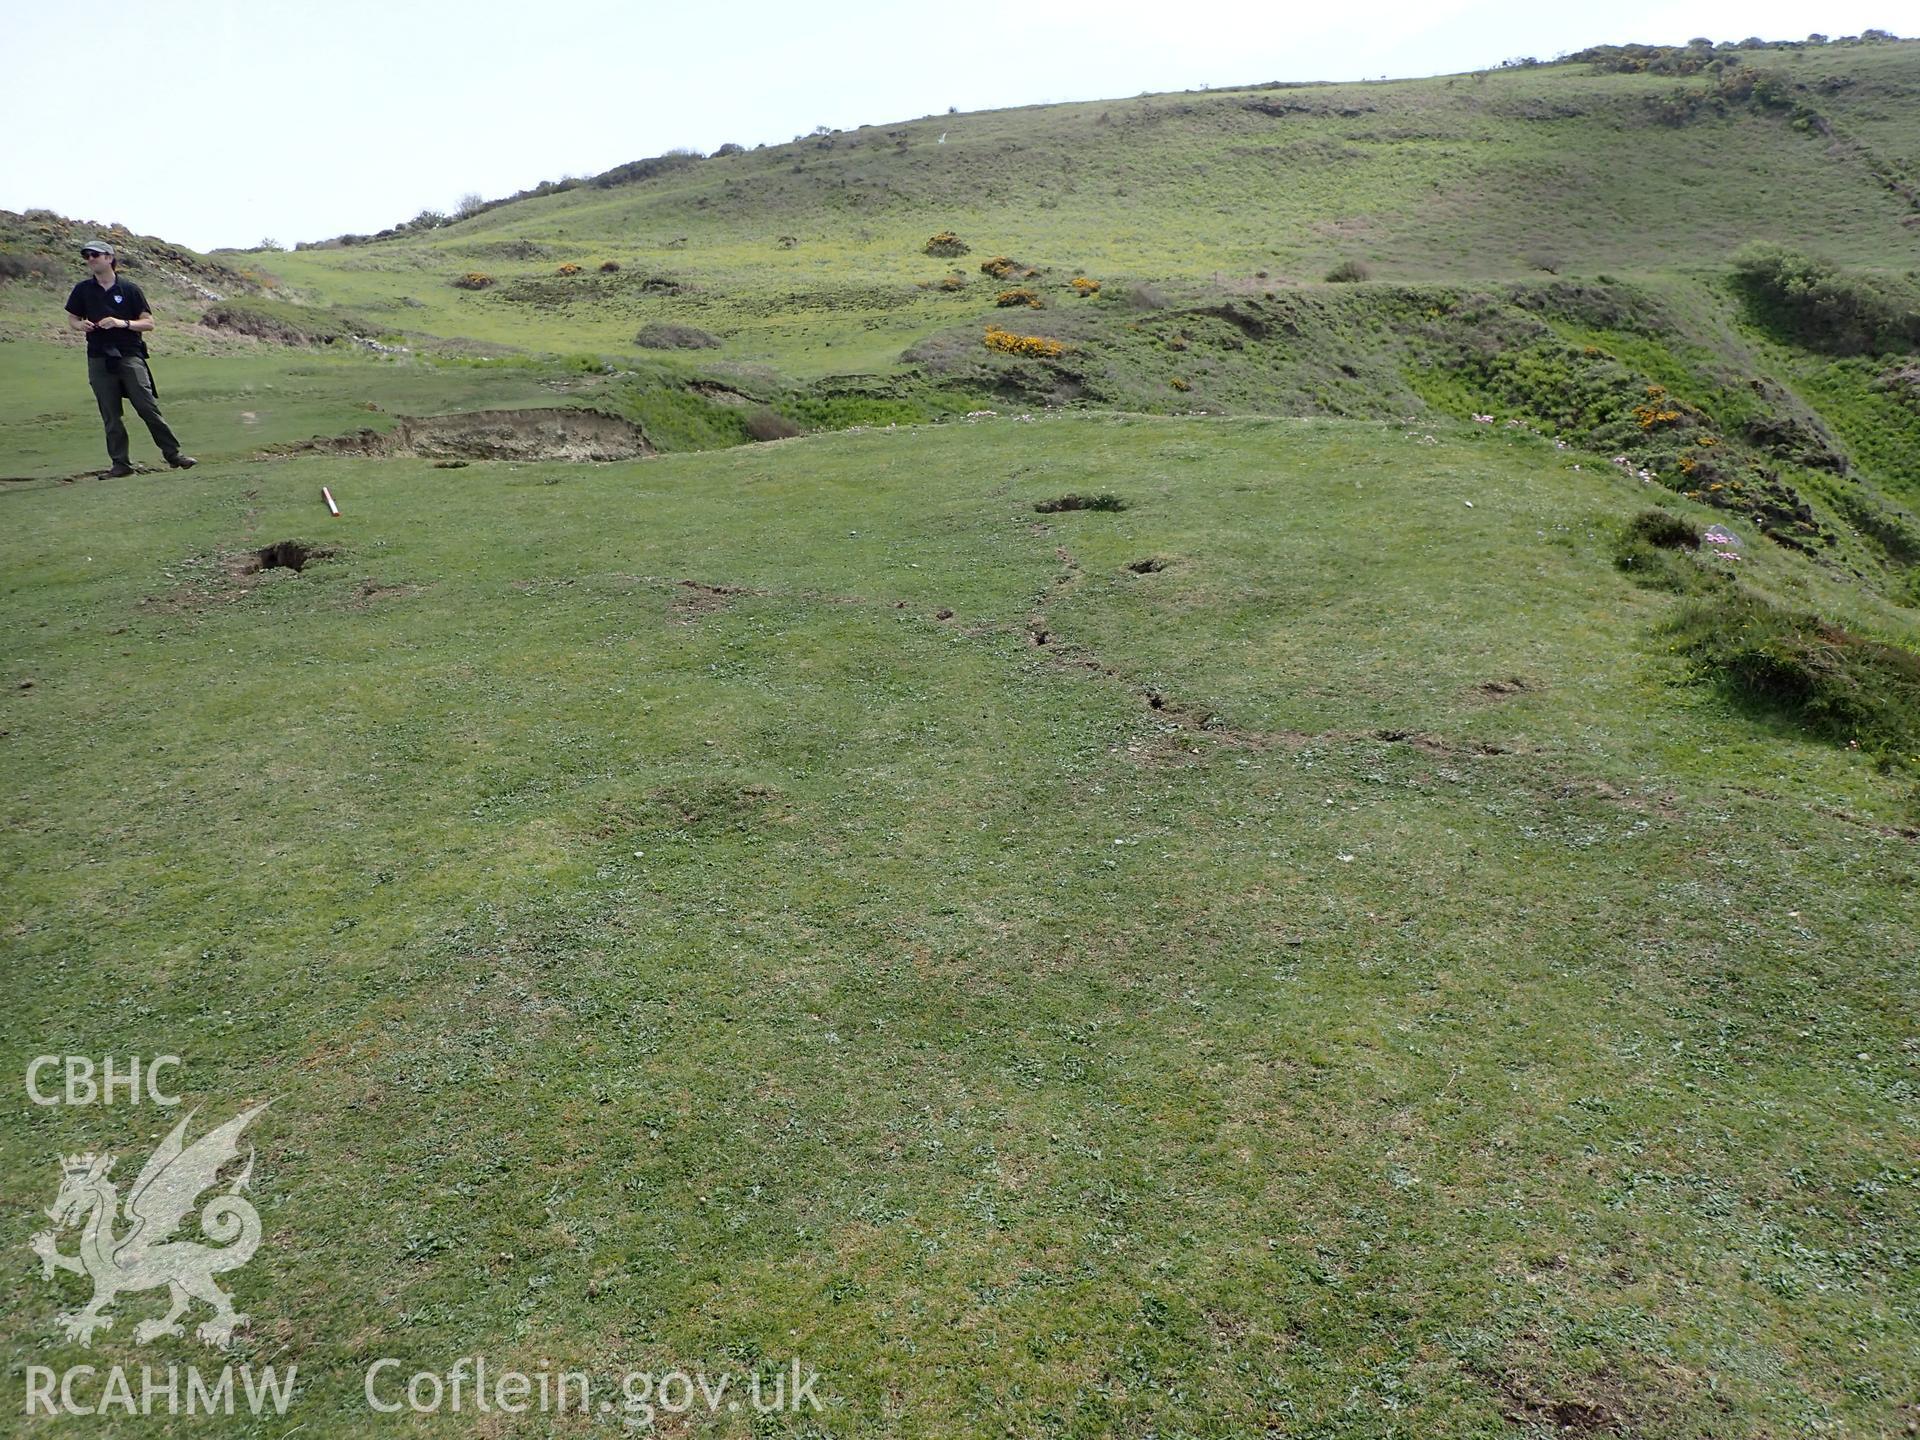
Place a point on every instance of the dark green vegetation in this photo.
(1377, 897)
(1826, 308)
(1850, 689)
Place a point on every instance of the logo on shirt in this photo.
(117, 299)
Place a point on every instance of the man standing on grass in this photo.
(112, 313)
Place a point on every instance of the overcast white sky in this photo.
(222, 122)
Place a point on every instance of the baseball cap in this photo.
(102, 246)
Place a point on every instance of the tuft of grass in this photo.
(1664, 529)
(1863, 693)
(1348, 271)
(1651, 550)
(769, 424)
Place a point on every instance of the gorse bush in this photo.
(999, 267)
(608, 267)
(1657, 410)
(945, 245)
(1083, 286)
(1034, 347)
(474, 280)
(568, 269)
(1020, 296)
(1825, 307)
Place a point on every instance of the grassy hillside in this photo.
(1247, 862)
(1545, 243)
(1465, 177)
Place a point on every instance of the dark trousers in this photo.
(131, 380)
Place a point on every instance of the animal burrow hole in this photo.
(1080, 502)
(293, 555)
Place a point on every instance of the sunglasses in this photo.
(92, 254)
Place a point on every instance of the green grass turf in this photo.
(1345, 976)
(1227, 1015)
(234, 402)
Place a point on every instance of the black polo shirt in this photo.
(122, 298)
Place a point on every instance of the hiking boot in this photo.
(119, 472)
(182, 462)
